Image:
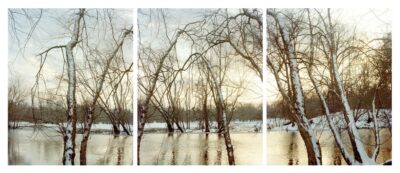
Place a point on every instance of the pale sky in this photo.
(149, 33)
(53, 29)
(371, 22)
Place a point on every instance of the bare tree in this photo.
(88, 57)
(16, 99)
(328, 54)
(296, 97)
(142, 118)
(242, 31)
(331, 42)
(332, 126)
(220, 105)
(117, 101)
(169, 80)
(95, 92)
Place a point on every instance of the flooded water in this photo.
(287, 148)
(199, 149)
(45, 147)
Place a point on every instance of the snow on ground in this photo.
(195, 126)
(320, 122)
(95, 127)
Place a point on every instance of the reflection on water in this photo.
(27, 147)
(199, 149)
(287, 148)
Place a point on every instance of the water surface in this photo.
(199, 149)
(287, 147)
(45, 147)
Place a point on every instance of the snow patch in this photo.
(196, 126)
(320, 122)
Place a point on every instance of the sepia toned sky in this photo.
(53, 29)
(371, 23)
(150, 35)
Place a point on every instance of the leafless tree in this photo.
(212, 40)
(16, 98)
(70, 129)
(88, 59)
(328, 54)
(295, 95)
(96, 90)
(150, 87)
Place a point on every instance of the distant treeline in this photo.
(242, 112)
(362, 99)
(56, 114)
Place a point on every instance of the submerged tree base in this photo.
(287, 148)
(199, 149)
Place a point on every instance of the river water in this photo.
(199, 149)
(287, 147)
(45, 147)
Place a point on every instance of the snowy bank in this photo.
(196, 126)
(320, 123)
(98, 127)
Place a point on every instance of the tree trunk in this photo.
(205, 115)
(179, 127)
(87, 125)
(336, 134)
(334, 130)
(70, 130)
(116, 130)
(126, 130)
(141, 122)
(91, 108)
(358, 148)
(170, 127)
(376, 130)
(312, 145)
(224, 125)
(219, 119)
(298, 112)
(143, 115)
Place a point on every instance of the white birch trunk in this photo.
(353, 131)
(225, 125)
(70, 130)
(336, 134)
(376, 131)
(311, 142)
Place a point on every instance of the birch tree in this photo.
(331, 124)
(331, 42)
(70, 129)
(296, 98)
(83, 46)
(323, 47)
(224, 124)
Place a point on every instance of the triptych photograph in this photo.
(201, 86)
